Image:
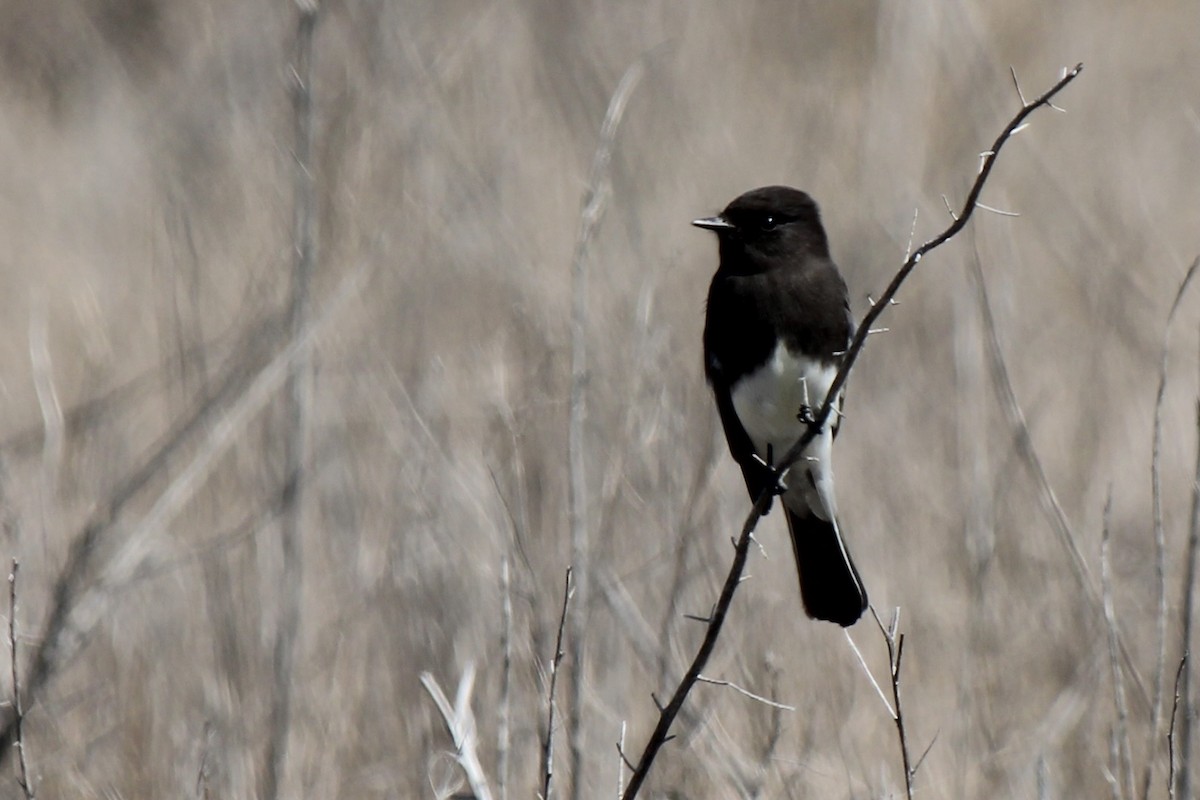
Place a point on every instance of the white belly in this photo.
(768, 403)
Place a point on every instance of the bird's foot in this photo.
(806, 415)
(770, 478)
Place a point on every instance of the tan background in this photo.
(146, 201)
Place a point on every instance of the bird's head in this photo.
(765, 226)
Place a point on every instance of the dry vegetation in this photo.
(146, 210)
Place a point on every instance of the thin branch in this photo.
(895, 648)
(18, 708)
(661, 731)
(555, 663)
(1171, 730)
(594, 204)
(1124, 758)
(1160, 545)
(917, 766)
(746, 692)
(870, 676)
(912, 234)
(1191, 551)
(502, 724)
(1017, 84)
(622, 762)
(1000, 211)
(296, 405)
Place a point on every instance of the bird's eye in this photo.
(769, 223)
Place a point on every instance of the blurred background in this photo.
(232, 582)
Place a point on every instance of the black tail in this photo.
(829, 583)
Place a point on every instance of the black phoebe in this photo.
(778, 322)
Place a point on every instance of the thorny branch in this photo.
(717, 619)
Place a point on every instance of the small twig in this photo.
(949, 208)
(622, 762)
(203, 771)
(895, 647)
(1113, 767)
(1191, 551)
(912, 233)
(1171, 730)
(1017, 84)
(767, 755)
(297, 407)
(1160, 545)
(746, 692)
(924, 753)
(870, 676)
(502, 723)
(1000, 211)
(667, 716)
(1124, 757)
(19, 736)
(555, 663)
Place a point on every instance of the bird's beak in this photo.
(717, 223)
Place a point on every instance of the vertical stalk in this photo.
(297, 394)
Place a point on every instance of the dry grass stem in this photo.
(594, 203)
(460, 724)
(297, 399)
(747, 693)
(555, 663)
(1160, 542)
(1050, 503)
(1179, 676)
(895, 647)
(1123, 763)
(18, 708)
(504, 711)
(1190, 557)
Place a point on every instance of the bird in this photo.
(777, 325)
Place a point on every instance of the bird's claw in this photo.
(772, 479)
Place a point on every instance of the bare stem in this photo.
(502, 725)
(1124, 765)
(296, 404)
(1171, 730)
(19, 710)
(1160, 546)
(1191, 551)
(895, 647)
(555, 663)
